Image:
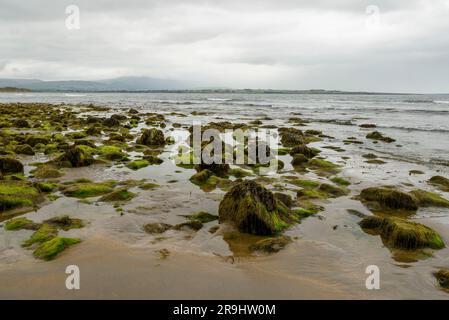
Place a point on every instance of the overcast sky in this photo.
(396, 45)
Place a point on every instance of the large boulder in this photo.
(291, 137)
(253, 209)
(75, 156)
(387, 198)
(10, 166)
(152, 137)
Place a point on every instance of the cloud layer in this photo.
(400, 45)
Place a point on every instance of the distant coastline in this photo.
(14, 89)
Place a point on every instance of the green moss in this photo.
(87, 189)
(51, 248)
(203, 217)
(44, 233)
(403, 234)
(148, 186)
(15, 194)
(309, 184)
(378, 136)
(239, 173)
(184, 160)
(137, 164)
(121, 194)
(193, 225)
(20, 223)
(254, 209)
(429, 199)
(201, 177)
(340, 181)
(111, 152)
(65, 222)
(441, 182)
(322, 164)
(47, 172)
(389, 199)
(46, 186)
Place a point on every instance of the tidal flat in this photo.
(95, 181)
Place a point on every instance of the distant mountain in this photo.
(116, 84)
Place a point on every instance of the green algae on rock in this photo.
(112, 153)
(14, 194)
(86, 189)
(137, 164)
(65, 222)
(193, 225)
(388, 198)
(402, 234)
(119, 195)
(156, 228)
(271, 245)
(25, 149)
(51, 248)
(440, 182)
(75, 156)
(251, 208)
(340, 181)
(151, 137)
(44, 233)
(203, 217)
(21, 223)
(442, 277)
(10, 166)
(429, 199)
(376, 135)
(46, 172)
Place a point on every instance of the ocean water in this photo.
(419, 123)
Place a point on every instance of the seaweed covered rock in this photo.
(15, 194)
(152, 137)
(65, 222)
(402, 234)
(286, 199)
(386, 198)
(376, 135)
(10, 166)
(47, 172)
(201, 177)
(442, 277)
(75, 157)
(440, 182)
(21, 123)
(202, 216)
(24, 149)
(194, 225)
(21, 223)
(111, 122)
(156, 228)
(429, 199)
(119, 195)
(304, 150)
(271, 245)
(218, 169)
(51, 248)
(44, 233)
(253, 209)
(86, 189)
(291, 137)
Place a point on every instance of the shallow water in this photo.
(330, 253)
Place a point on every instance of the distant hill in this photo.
(14, 89)
(116, 84)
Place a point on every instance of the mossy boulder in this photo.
(10, 166)
(429, 199)
(14, 194)
(111, 122)
(271, 245)
(21, 223)
(291, 137)
(304, 150)
(34, 140)
(151, 137)
(194, 225)
(47, 172)
(119, 195)
(440, 182)
(65, 222)
(76, 156)
(25, 149)
(51, 248)
(86, 189)
(111, 153)
(299, 159)
(442, 277)
(137, 164)
(218, 169)
(253, 209)
(156, 228)
(286, 199)
(402, 234)
(387, 198)
(201, 177)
